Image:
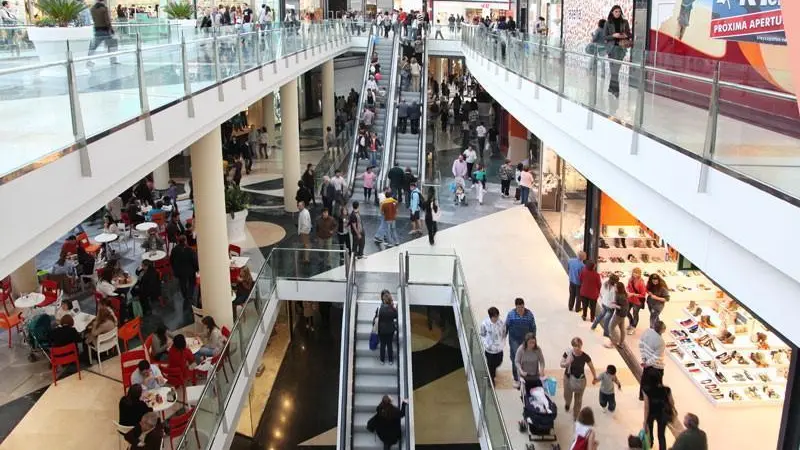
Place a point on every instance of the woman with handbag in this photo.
(618, 41)
(659, 407)
(574, 362)
(386, 316)
(657, 296)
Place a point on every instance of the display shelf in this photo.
(740, 343)
(631, 232)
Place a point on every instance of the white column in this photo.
(328, 98)
(437, 68)
(268, 109)
(211, 227)
(290, 146)
(161, 177)
(24, 280)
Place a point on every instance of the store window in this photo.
(562, 203)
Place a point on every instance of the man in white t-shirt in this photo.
(304, 229)
(470, 156)
(480, 131)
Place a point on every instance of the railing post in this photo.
(187, 87)
(539, 67)
(217, 74)
(592, 91)
(144, 102)
(259, 56)
(239, 58)
(78, 130)
(562, 75)
(638, 119)
(711, 132)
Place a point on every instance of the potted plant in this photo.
(180, 13)
(59, 24)
(236, 202)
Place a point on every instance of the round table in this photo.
(130, 283)
(105, 238)
(165, 403)
(194, 344)
(144, 226)
(29, 300)
(154, 255)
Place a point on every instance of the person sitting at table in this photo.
(244, 284)
(132, 209)
(64, 266)
(109, 226)
(149, 376)
(147, 434)
(106, 285)
(213, 338)
(153, 241)
(103, 323)
(162, 339)
(157, 210)
(65, 333)
(131, 406)
(175, 228)
(181, 357)
(70, 245)
(63, 310)
(148, 288)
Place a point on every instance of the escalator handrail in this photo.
(346, 358)
(423, 130)
(404, 358)
(362, 98)
(392, 97)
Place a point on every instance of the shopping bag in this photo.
(373, 341)
(645, 439)
(550, 385)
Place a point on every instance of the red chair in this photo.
(61, 356)
(148, 345)
(83, 241)
(126, 219)
(129, 362)
(51, 293)
(235, 271)
(130, 330)
(5, 284)
(160, 219)
(5, 299)
(163, 268)
(116, 305)
(98, 297)
(7, 322)
(234, 250)
(177, 427)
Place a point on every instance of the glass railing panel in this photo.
(431, 269)
(206, 415)
(163, 74)
(322, 265)
(249, 43)
(108, 88)
(228, 61)
(200, 62)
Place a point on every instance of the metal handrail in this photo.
(343, 431)
(362, 98)
(405, 357)
(422, 159)
(390, 124)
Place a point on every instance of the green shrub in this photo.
(236, 200)
(180, 10)
(59, 12)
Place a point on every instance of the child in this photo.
(460, 196)
(607, 381)
(479, 175)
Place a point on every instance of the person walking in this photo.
(330, 141)
(618, 35)
(574, 268)
(326, 228)
(386, 315)
(309, 182)
(343, 228)
(590, 282)
(598, 46)
(637, 293)
(692, 437)
(607, 381)
(414, 116)
(103, 31)
(619, 312)
(657, 296)
(519, 322)
(263, 143)
(585, 437)
(529, 360)
(396, 176)
(525, 185)
(460, 167)
(369, 183)
(432, 214)
(480, 132)
(659, 410)
(608, 292)
(388, 232)
(185, 267)
(493, 332)
(415, 206)
(574, 362)
(651, 352)
(386, 422)
(304, 229)
(357, 231)
(506, 174)
(470, 157)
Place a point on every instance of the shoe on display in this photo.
(764, 377)
(734, 395)
(632, 258)
(761, 341)
(720, 377)
(621, 232)
(645, 258)
(705, 322)
(697, 311)
(739, 377)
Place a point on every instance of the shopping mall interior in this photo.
(295, 234)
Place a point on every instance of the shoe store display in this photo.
(770, 393)
(761, 341)
(705, 322)
(758, 358)
(603, 243)
(726, 337)
(749, 377)
(739, 377)
(645, 258)
(734, 396)
(632, 258)
(621, 232)
(697, 311)
(692, 305)
(720, 377)
(764, 377)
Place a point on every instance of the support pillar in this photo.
(255, 116)
(24, 280)
(268, 110)
(211, 227)
(290, 146)
(437, 69)
(161, 177)
(328, 98)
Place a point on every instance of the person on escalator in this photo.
(396, 177)
(402, 116)
(414, 116)
(386, 316)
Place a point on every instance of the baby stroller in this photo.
(539, 411)
(37, 331)
(459, 190)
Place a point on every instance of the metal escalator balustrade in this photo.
(343, 430)
(362, 98)
(405, 359)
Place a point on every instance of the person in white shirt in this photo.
(106, 286)
(493, 332)
(368, 117)
(371, 83)
(470, 156)
(149, 376)
(480, 131)
(263, 143)
(339, 183)
(304, 229)
(214, 339)
(608, 291)
(651, 349)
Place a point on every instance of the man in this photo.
(304, 229)
(357, 231)
(252, 140)
(396, 176)
(506, 174)
(451, 23)
(147, 434)
(303, 194)
(470, 156)
(692, 438)
(460, 167)
(402, 116)
(493, 140)
(519, 322)
(326, 228)
(330, 141)
(339, 185)
(149, 376)
(651, 350)
(309, 182)
(328, 193)
(247, 13)
(574, 267)
(480, 131)
(387, 231)
(415, 206)
(103, 32)
(368, 117)
(414, 115)
(184, 265)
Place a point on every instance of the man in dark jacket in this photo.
(303, 194)
(103, 32)
(414, 116)
(147, 434)
(402, 116)
(148, 288)
(184, 265)
(396, 177)
(309, 182)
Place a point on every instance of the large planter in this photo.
(183, 23)
(51, 45)
(236, 226)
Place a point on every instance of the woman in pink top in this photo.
(525, 184)
(369, 182)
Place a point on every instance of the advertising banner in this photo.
(758, 21)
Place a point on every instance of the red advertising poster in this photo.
(748, 20)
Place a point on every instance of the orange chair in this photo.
(5, 299)
(83, 241)
(227, 333)
(130, 330)
(61, 356)
(160, 219)
(7, 322)
(177, 427)
(129, 362)
(235, 271)
(148, 345)
(51, 293)
(234, 250)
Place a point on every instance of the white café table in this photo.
(150, 399)
(29, 300)
(144, 226)
(81, 319)
(105, 238)
(154, 255)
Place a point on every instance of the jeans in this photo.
(358, 245)
(633, 315)
(655, 311)
(391, 233)
(432, 229)
(101, 36)
(481, 145)
(608, 400)
(514, 345)
(523, 194)
(493, 361)
(204, 352)
(588, 305)
(187, 288)
(661, 423)
(327, 244)
(367, 193)
(385, 340)
(573, 297)
(604, 317)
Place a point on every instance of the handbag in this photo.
(436, 212)
(371, 423)
(626, 43)
(517, 194)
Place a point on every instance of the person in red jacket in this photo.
(590, 289)
(637, 292)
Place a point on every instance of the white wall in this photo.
(308, 290)
(743, 237)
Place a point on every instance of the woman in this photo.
(109, 226)
(131, 407)
(659, 407)
(637, 292)
(178, 356)
(162, 339)
(619, 311)
(590, 289)
(343, 228)
(308, 314)
(525, 185)
(213, 338)
(584, 431)
(529, 359)
(369, 182)
(64, 266)
(106, 286)
(432, 214)
(386, 422)
(371, 84)
(493, 331)
(657, 296)
(416, 70)
(65, 333)
(244, 285)
(103, 323)
(607, 294)
(618, 39)
(386, 316)
(574, 362)
(598, 45)
(374, 146)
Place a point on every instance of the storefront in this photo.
(442, 10)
